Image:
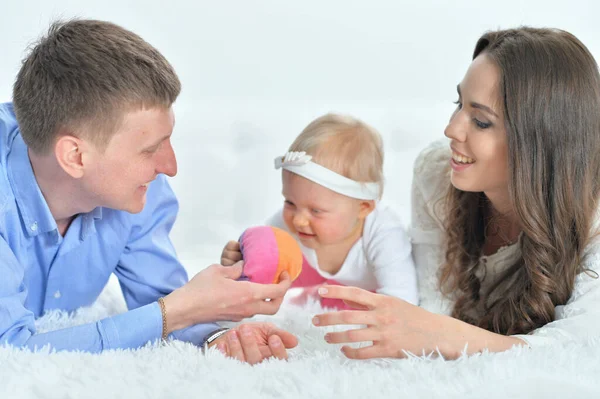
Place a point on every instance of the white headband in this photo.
(300, 164)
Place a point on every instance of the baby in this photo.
(332, 180)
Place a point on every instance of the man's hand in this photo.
(231, 253)
(254, 342)
(215, 295)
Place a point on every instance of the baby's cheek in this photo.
(287, 219)
(331, 230)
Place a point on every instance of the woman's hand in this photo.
(254, 342)
(396, 327)
(311, 293)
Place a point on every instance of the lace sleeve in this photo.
(426, 232)
(579, 318)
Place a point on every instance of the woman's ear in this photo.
(69, 155)
(366, 207)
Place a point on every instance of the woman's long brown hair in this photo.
(550, 88)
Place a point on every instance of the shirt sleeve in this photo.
(17, 324)
(426, 231)
(579, 318)
(149, 268)
(389, 254)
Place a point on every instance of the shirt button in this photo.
(33, 226)
(57, 294)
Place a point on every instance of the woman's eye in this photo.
(480, 124)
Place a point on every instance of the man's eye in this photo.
(151, 150)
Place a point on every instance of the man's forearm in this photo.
(128, 330)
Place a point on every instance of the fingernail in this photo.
(275, 341)
(322, 291)
(233, 336)
(315, 321)
(327, 337)
(221, 348)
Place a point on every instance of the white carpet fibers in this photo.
(315, 369)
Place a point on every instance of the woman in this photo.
(503, 236)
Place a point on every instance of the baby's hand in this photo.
(231, 253)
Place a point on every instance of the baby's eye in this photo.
(288, 203)
(315, 210)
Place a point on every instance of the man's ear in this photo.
(366, 207)
(69, 152)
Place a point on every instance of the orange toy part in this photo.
(290, 255)
(267, 252)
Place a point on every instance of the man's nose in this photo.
(167, 161)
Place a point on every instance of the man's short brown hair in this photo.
(88, 73)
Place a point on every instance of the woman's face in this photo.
(478, 138)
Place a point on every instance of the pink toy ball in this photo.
(267, 252)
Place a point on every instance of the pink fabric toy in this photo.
(267, 252)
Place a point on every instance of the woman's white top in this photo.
(579, 318)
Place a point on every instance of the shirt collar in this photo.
(88, 225)
(30, 200)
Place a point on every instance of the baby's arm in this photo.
(388, 251)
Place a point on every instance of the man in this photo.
(83, 154)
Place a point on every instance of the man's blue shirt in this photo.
(42, 270)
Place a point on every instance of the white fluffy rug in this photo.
(315, 369)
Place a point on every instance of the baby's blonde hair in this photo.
(346, 145)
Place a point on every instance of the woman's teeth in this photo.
(461, 159)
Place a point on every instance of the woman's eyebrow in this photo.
(478, 105)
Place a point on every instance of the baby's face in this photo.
(318, 216)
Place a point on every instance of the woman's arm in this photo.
(397, 328)
(427, 238)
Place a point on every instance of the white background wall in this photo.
(256, 72)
